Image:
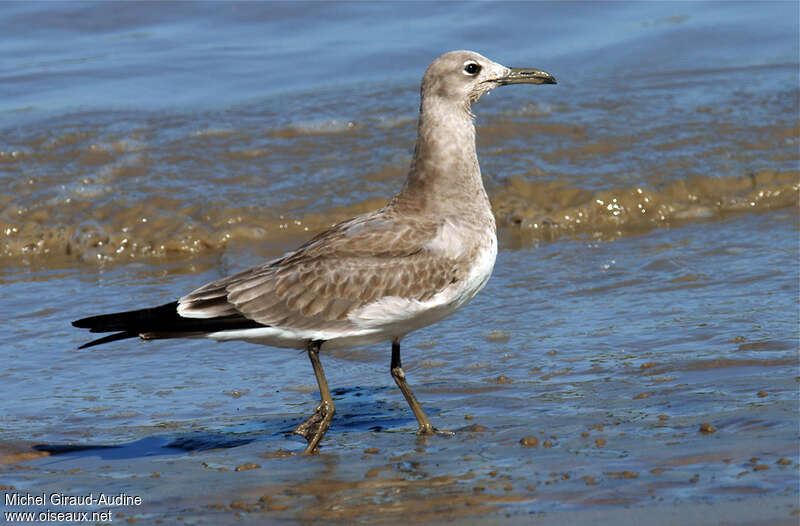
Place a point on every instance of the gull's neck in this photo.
(445, 177)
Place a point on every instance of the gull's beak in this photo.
(525, 76)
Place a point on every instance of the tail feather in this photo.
(139, 320)
(155, 322)
(110, 338)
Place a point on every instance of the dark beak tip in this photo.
(528, 76)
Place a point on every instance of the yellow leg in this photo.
(317, 424)
(425, 427)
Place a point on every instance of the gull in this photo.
(375, 277)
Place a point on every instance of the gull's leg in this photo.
(425, 427)
(317, 424)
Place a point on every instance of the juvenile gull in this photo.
(375, 277)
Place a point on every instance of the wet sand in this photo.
(605, 468)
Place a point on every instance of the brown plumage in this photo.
(343, 268)
(375, 277)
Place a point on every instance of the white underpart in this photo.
(387, 318)
(394, 316)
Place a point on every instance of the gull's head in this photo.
(464, 76)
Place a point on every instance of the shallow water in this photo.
(647, 281)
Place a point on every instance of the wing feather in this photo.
(342, 269)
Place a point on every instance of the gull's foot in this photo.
(310, 427)
(314, 428)
(428, 430)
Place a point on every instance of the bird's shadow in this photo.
(357, 408)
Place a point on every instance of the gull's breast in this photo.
(394, 316)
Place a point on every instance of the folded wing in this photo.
(342, 269)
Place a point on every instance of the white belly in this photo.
(387, 318)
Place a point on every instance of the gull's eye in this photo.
(471, 68)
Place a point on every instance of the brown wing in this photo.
(341, 269)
